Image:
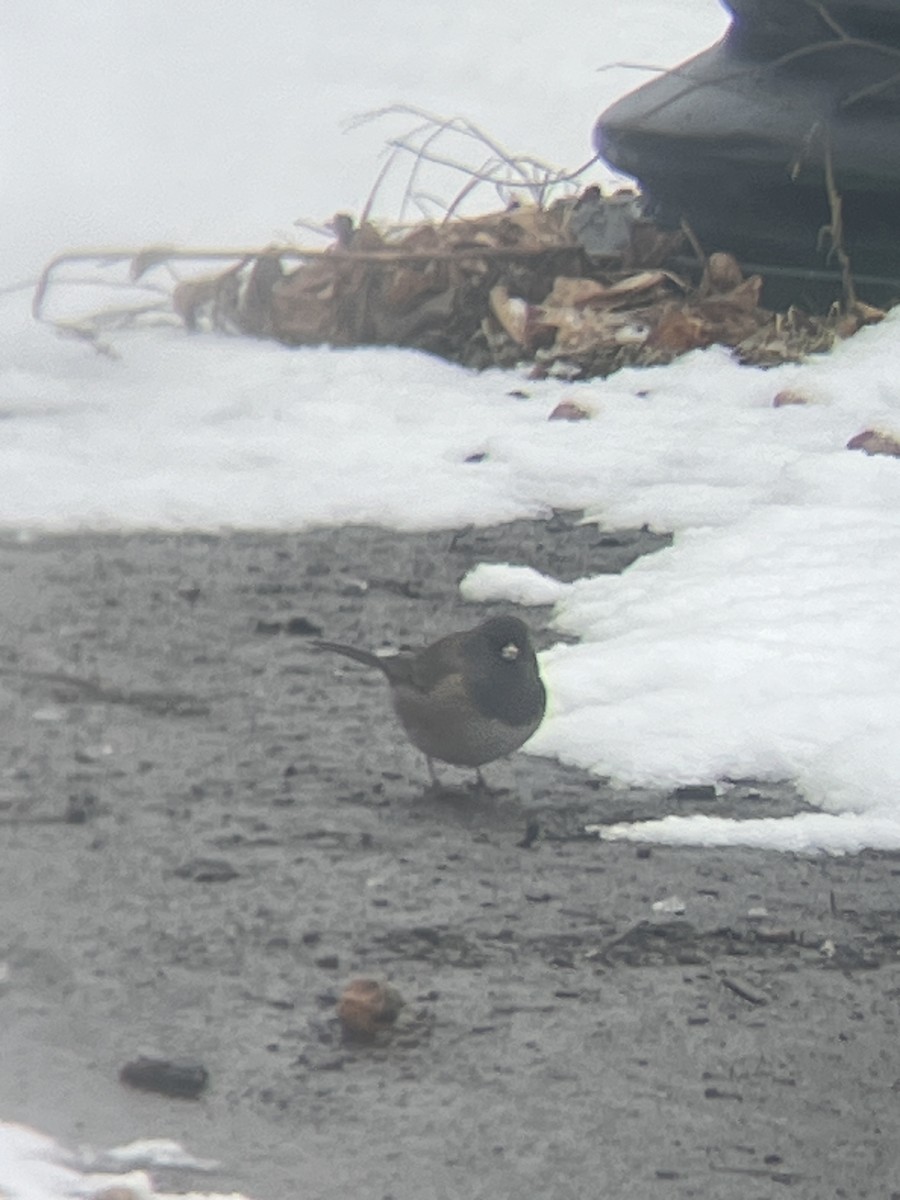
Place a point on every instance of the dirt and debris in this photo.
(575, 281)
(577, 289)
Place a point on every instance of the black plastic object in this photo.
(186, 1080)
(736, 140)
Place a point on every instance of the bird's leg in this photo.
(435, 781)
(483, 788)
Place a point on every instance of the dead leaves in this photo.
(578, 288)
(490, 291)
(646, 317)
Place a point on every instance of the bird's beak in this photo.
(510, 651)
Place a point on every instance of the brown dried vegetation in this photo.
(577, 284)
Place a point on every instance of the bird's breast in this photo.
(444, 723)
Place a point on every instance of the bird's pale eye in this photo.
(510, 651)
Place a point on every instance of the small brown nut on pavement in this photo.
(368, 1005)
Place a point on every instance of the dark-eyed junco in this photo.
(468, 698)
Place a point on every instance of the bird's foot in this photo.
(482, 788)
(437, 789)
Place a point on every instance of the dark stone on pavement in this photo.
(184, 1079)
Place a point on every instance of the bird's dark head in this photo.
(504, 638)
(502, 673)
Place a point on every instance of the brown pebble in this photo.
(367, 1005)
(876, 441)
(570, 410)
(788, 396)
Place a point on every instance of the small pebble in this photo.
(184, 1079)
(367, 1005)
(207, 870)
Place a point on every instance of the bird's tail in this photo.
(366, 657)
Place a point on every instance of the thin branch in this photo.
(376, 187)
(460, 125)
(694, 243)
(314, 227)
(502, 170)
(109, 256)
(484, 175)
(844, 41)
(872, 90)
(827, 19)
(656, 68)
(745, 993)
(420, 152)
(467, 188)
(836, 228)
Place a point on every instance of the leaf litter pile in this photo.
(567, 279)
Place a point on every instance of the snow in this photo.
(763, 643)
(34, 1167)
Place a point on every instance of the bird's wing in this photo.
(435, 662)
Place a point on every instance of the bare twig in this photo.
(376, 187)
(501, 170)
(315, 227)
(827, 19)
(460, 197)
(694, 243)
(870, 90)
(835, 230)
(110, 256)
(744, 992)
(655, 68)
(422, 154)
(841, 42)
(432, 120)
(485, 174)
